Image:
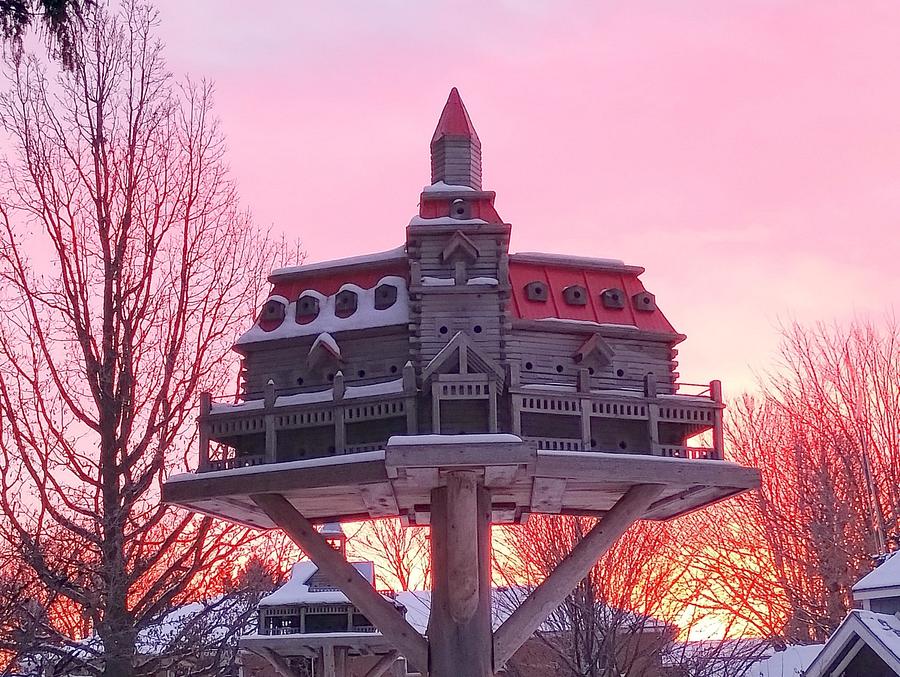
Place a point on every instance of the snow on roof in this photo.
(589, 323)
(384, 388)
(881, 632)
(441, 187)
(376, 257)
(296, 590)
(327, 321)
(358, 457)
(788, 663)
(430, 281)
(332, 529)
(476, 281)
(445, 221)
(567, 260)
(305, 398)
(881, 578)
(326, 340)
(406, 440)
(249, 405)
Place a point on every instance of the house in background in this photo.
(308, 628)
(866, 644)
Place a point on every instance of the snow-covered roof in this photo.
(328, 321)
(441, 187)
(332, 529)
(445, 221)
(882, 581)
(881, 632)
(788, 663)
(297, 589)
(376, 257)
(568, 260)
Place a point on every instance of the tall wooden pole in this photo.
(459, 628)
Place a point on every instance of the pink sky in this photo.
(746, 153)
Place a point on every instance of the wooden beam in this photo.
(379, 499)
(383, 665)
(547, 597)
(376, 608)
(547, 494)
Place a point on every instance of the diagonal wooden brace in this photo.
(278, 664)
(548, 596)
(341, 573)
(383, 665)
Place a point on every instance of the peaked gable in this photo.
(461, 355)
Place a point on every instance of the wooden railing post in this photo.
(715, 392)
(411, 391)
(271, 434)
(650, 392)
(205, 409)
(340, 429)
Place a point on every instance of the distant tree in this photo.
(127, 267)
(402, 554)
(825, 434)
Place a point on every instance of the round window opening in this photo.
(444, 329)
(620, 373)
(623, 444)
(529, 366)
(393, 368)
(559, 369)
(477, 328)
(361, 373)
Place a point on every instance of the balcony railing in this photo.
(694, 413)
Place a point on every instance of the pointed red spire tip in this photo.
(455, 120)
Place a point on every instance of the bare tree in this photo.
(402, 553)
(825, 434)
(127, 267)
(626, 616)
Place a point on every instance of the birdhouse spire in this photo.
(455, 147)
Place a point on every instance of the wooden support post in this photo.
(383, 665)
(544, 599)
(271, 434)
(460, 648)
(328, 666)
(358, 590)
(462, 545)
(205, 409)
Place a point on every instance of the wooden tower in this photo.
(449, 382)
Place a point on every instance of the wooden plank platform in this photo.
(398, 482)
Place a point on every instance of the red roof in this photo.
(558, 277)
(328, 282)
(455, 120)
